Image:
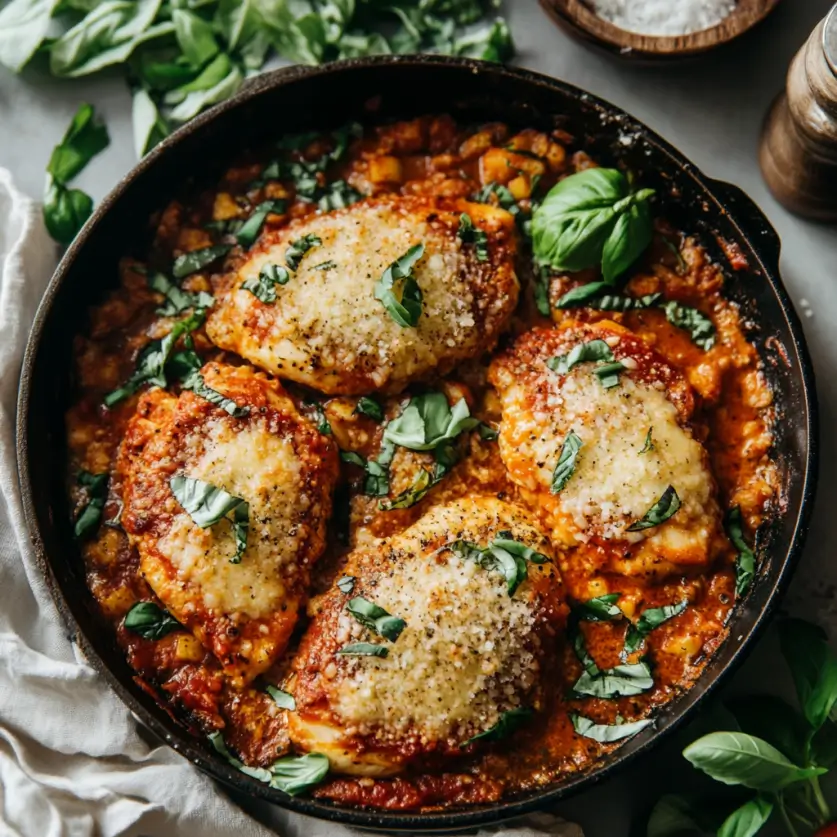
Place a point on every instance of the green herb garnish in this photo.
(251, 228)
(196, 260)
(745, 563)
(503, 555)
(507, 723)
(648, 620)
(376, 618)
(370, 408)
(607, 733)
(565, 467)
(283, 699)
(97, 495)
(469, 234)
(659, 513)
(592, 350)
(177, 300)
(196, 383)
(264, 286)
(649, 442)
(150, 621)
(346, 584)
(363, 649)
(298, 248)
(398, 291)
(601, 609)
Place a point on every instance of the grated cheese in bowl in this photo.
(663, 17)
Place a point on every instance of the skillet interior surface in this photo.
(373, 90)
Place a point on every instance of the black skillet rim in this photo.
(750, 228)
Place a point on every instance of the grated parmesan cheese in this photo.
(663, 17)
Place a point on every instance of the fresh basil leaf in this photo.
(660, 512)
(325, 265)
(363, 649)
(608, 373)
(422, 483)
(320, 418)
(823, 747)
(346, 584)
(813, 666)
(540, 291)
(565, 467)
(229, 226)
(601, 609)
(65, 211)
(772, 719)
(648, 446)
(249, 232)
(649, 619)
(298, 248)
(583, 294)
(149, 126)
(194, 101)
(599, 295)
(592, 350)
(504, 540)
(736, 758)
(196, 260)
(150, 621)
(283, 699)
(631, 234)
(376, 483)
(177, 300)
(260, 773)
(607, 733)
(23, 26)
(242, 25)
(84, 139)
(196, 383)
(469, 234)
(587, 219)
(195, 37)
(700, 327)
(676, 816)
(263, 287)
(210, 77)
(745, 562)
(748, 819)
(97, 495)
(509, 721)
(621, 681)
(404, 308)
(376, 618)
(337, 195)
(151, 362)
(490, 43)
(370, 408)
(429, 421)
(496, 557)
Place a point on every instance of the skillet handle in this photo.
(752, 221)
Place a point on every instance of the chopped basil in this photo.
(177, 300)
(229, 226)
(346, 584)
(196, 260)
(607, 733)
(745, 563)
(376, 483)
(376, 618)
(599, 295)
(469, 234)
(151, 362)
(403, 307)
(700, 327)
(565, 467)
(659, 513)
(325, 265)
(648, 620)
(682, 267)
(264, 287)
(283, 699)
(428, 421)
(370, 408)
(320, 418)
(291, 774)
(592, 350)
(298, 248)
(422, 483)
(621, 681)
(207, 504)
(502, 555)
(541, 291)
(649, 442)
(505, 198)
(251, 228)
(608, 373)
(97, 494)
(195, 382)
(363, 649)
(508, 722)
(337, 195)
(150, 621)
(601, 609)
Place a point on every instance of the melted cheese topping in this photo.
(327, 329)
(261, 468)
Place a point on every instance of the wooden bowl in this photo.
(578, 19)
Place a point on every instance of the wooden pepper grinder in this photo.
(798, 149)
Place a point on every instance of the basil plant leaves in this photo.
(592, 218)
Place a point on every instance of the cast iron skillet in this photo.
(377, 89)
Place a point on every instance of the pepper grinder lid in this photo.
(798, 148)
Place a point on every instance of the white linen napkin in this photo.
(72, 763)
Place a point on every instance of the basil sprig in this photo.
(649, 619)
(745, 562)
(508, 722)
(659, 513)
(177, 300)
(97, 495)
(152, 360)
(283, 699)
(150, 621)
(503, 555)
(208, 504)
(263, 287)
(363, 649)
(607, 733)
(298, 248)
(375, 618)
(292, 774)
(592, 218)
(196, 260)
(251, 228)
(66, 210)
(399, 292)
(565, 466)
(621, 681)
(469, 234)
